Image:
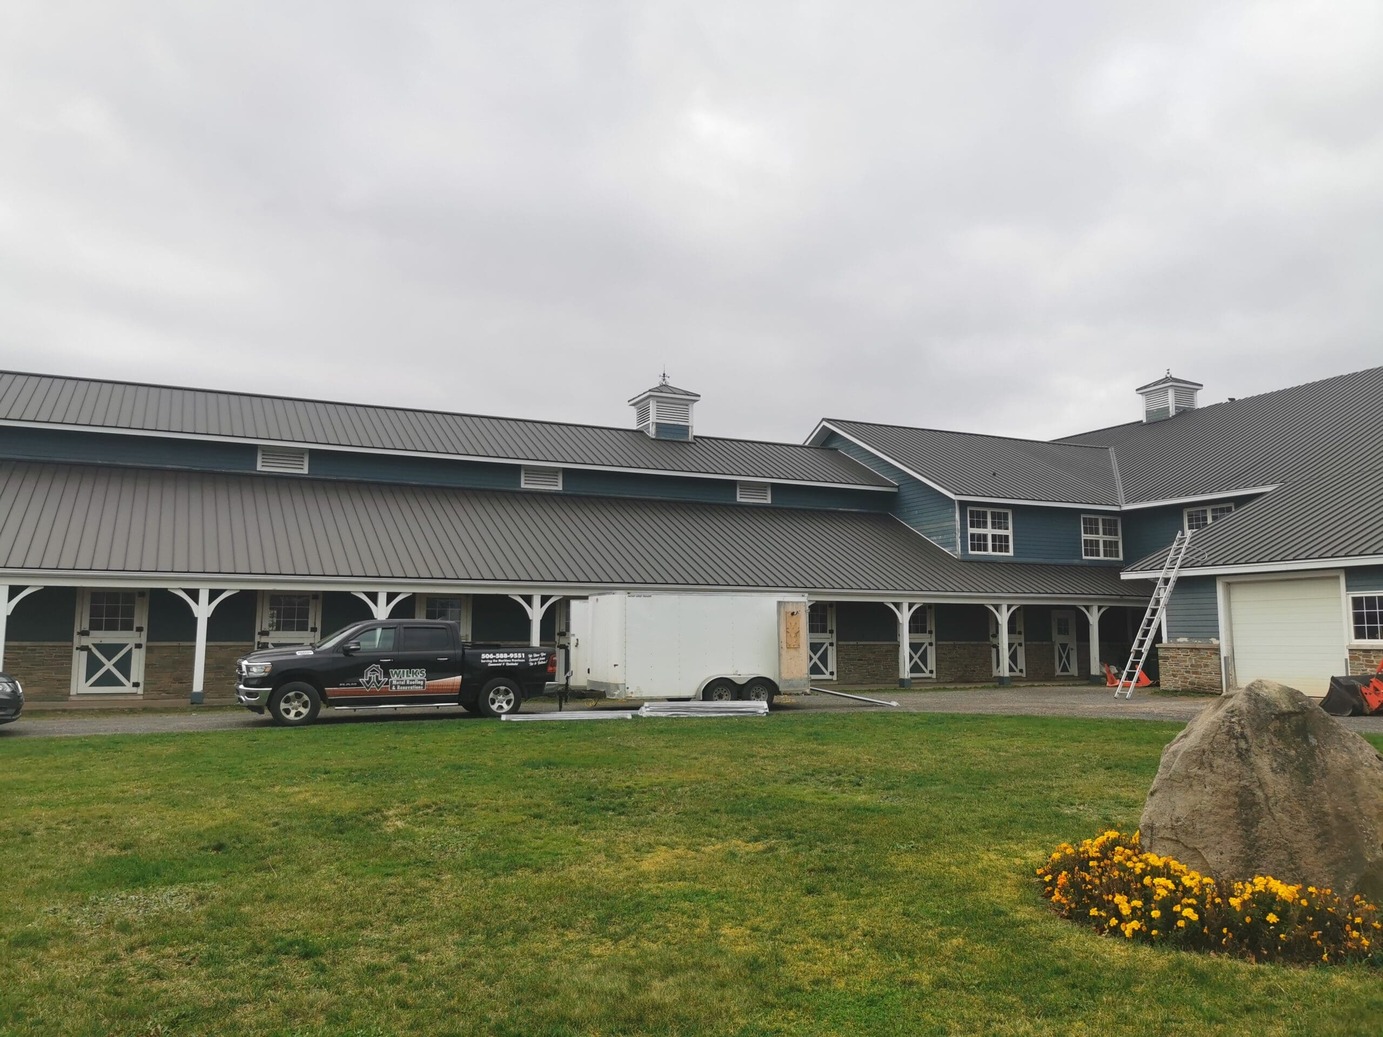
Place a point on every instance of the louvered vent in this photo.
(287, 459)
(643, 413)
(754, 493)
(674, 412)
(541, 478)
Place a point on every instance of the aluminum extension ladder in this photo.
(1152, 619)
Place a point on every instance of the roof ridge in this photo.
(955, 432)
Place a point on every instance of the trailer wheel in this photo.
(499, 697)
(760, 689)
(294, 705)
(719, 691)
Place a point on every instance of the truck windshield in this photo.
(335, 639)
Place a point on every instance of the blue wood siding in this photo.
(234, 618)
(664, 431)
(1361, 580)
(1039, 535)
(962, 623)
(1193, 611)
(866, 621)
(931, 513)
(498, 617)
(1149, 530)
(425, 471)
(341, 609)
(27, 444)
(717, 491)
(170, 619)
(825, 497)
(46, 615)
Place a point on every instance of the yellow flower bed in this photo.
(1110, 884)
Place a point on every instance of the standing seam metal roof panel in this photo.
(408, 533)
(37, 399)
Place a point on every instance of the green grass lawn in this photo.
(804, 874)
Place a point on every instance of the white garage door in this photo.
(1290, 631)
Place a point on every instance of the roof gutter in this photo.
(1299, 565)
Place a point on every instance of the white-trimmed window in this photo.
(754, 493)
(991, 531)
(1199, 518)
(534, 478)
(1100, 537)
(287, 459)
(1366, 615)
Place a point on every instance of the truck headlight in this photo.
(257, 669)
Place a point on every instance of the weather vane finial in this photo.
(664, 378)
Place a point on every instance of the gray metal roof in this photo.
(167, 410)
(666, 390)
(993, 467)
(1277, 437)
(1320, 443)
(82, 519)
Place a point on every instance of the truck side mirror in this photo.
(350, 648)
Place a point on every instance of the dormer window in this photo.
(1199, 518)
(754, 493)
(534, 478)
(284, 459)
(991, 531)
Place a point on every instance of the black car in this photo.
(11, 699)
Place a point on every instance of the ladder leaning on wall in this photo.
(1152, 619)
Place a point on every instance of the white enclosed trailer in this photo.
(688, 646)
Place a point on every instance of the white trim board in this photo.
(144, 581)
(1250, 568)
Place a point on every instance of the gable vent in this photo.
(282, 459)
(754, 493)
(541, 478)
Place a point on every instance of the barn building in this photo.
(151, 534)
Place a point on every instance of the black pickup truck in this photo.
(388, 664)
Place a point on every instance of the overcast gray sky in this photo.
(990, 216)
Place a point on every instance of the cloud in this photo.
(996, 217)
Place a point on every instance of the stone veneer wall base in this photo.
(1190, 666)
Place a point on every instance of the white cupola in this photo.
(665, 411)
(1167, 396)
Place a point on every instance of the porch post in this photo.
(904, 610)
(202, 609)
(1093, 614)
(535, 608)
(1001, 613)
(6, 607)
(382, 605)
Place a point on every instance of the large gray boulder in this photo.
(1265, 782)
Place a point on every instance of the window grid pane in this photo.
(1367, 610)
(443, 608)
(290, 612)
(981, 522)
(111, 611)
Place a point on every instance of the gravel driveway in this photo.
(1093, 702)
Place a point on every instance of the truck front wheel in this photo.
(294, 705)
(500, 697)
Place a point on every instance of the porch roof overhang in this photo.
(87, 525)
